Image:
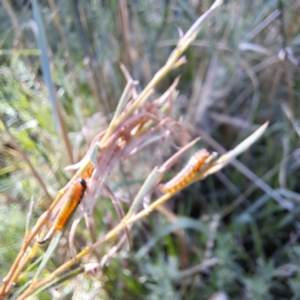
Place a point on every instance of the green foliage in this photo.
(12, 227)
(233, 81)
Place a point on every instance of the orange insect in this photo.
(186, 174)
(75, 195)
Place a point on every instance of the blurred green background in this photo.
(242, 70)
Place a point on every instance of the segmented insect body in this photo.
(74, 197)
(186, 174)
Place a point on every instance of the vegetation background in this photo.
(242, 70)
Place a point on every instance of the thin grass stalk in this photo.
(248, 173)
(10, 12)
(58, 26)
(56, 108)
(126, 55)
(29, 216)
(147, 186)
(26, 159)
(19, 36)
(285, 43)
(63, 40)
(93, 83)
(182, 45)
(89, 57)
(121, 105)
(60, 280)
